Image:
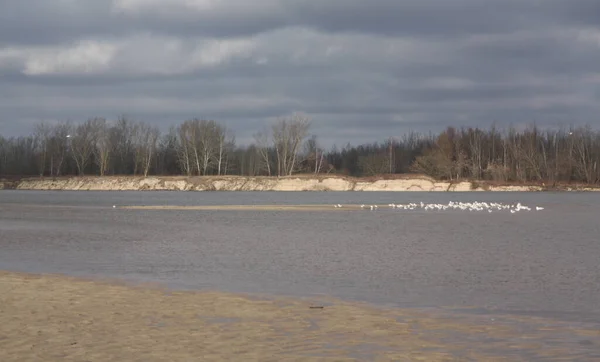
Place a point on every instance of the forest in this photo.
(206, 147)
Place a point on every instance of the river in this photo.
(535, 263)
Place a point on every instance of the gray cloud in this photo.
(362, 70)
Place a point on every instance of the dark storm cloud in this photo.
(363, 70)
(45, 22)
(36, 21)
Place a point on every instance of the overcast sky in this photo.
(363, 70)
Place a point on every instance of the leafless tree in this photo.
(42, 134)
(262, 148)
(202, 145)
(205, 147)
(151, 135)
(476, 139)
(374, 164)
(288, 135)
(586, 160)
(103, 146)
(226, 144)
(82, 143)
(122, 148)
(59, 146)
(145, 138)
(314, 154)
(185, 147)
(167, 160)
(210, 138)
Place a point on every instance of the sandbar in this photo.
(59, 318)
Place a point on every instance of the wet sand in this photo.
(57, 318)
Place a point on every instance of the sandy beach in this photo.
(56, 318)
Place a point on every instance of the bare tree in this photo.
(476, 148)
(185, 147)
(59, 147)
(226, 144)
(374, 163)
(530, 153)
(288, 135)
(103, 146)
(82, 143)
(42, 134)
(167, 160)
(145, 138)
(585, 162)
(190, 134)
(196, 145)
(5, 147)
(209, 140)
(150, 138)
(206, 147)
(262, 148)
(314, 154)
(121, 138)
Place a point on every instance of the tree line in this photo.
(207, 147)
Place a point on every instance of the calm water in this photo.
(534, 263)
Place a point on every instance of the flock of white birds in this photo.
(464, 206)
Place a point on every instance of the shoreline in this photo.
(405, 183)
(54, 318)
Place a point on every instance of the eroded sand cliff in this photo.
(240, 183)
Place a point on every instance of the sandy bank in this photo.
(53, 318)
(241, 183)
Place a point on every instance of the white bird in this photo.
(114, 206)
(474, 206)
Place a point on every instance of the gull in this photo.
(475, 206)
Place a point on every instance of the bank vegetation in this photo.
(199, 147)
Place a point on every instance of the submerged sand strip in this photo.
(55, 318)
(248, 207)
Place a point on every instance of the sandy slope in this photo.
(53, 318)
(240, 183)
